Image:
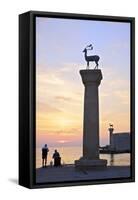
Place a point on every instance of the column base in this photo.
(90, 164)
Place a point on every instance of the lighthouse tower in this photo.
(111, 129)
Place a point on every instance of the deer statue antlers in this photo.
(91, 47)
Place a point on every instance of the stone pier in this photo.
(91, 80)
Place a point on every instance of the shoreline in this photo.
(70, 173)
(119, 159)
(113, 152)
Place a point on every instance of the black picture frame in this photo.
(27, 94)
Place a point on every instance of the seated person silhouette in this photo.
(45, 151)
(57, 159)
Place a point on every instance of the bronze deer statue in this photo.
(94, 58)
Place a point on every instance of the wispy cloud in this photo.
(60, 104)
(63, 98)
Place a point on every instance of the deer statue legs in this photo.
(96, 67)
(87, 65)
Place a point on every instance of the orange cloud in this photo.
(59, 108)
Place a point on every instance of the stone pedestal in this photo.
(91, 80)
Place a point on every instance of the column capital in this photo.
(91, 76)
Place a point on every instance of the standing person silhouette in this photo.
(45, 151)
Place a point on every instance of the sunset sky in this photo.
(59, 89)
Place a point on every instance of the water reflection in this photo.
(111, 159)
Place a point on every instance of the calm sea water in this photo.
(69, 154)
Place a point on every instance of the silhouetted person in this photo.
(57, 159)
(45, 151)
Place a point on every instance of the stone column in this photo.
(91, 80)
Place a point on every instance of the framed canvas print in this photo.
(76, 99)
